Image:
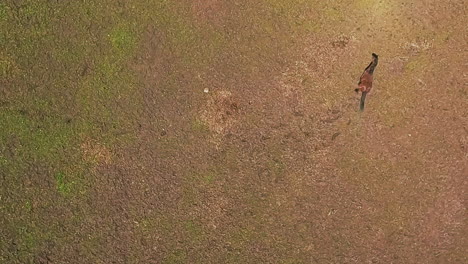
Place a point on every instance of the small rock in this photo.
(206, 90)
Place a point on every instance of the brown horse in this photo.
(365, 82)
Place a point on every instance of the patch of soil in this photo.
(220, 111)
(209, 11)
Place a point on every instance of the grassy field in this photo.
(208, 131)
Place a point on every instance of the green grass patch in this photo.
(50, 51)
(50, 142)
(418, 64)
(30, 138)
(199, 126)
(203, 178)
(64, 186)
(8, 67)
(209, 177)
(194, 229)
(3, 12)
(176, 257)
(28, 237)
(28, 206)
(123, 39)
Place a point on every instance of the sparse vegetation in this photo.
(111, 151)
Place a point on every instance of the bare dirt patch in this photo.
(95, 152)
(220, 112)
(211, 11)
